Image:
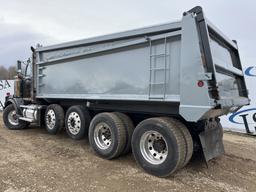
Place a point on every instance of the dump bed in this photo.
(128, 66)
(190, 63)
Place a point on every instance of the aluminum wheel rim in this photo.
(12, 118)
(102, 136)
(153, 147)
(74, 123)
(51, 119)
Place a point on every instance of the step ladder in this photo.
(157, 88)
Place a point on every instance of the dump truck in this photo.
(157, 91)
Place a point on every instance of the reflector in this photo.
(200, 83)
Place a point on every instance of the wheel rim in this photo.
(50, 119)
(153, 147)
(102, 136)
(74, 123)
(12, 118)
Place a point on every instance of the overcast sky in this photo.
(24, 23)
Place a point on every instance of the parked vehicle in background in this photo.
(158, 90)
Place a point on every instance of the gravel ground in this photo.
(32, 160)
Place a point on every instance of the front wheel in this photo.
(11, 119)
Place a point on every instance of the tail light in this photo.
(200, 83)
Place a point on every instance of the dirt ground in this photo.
(32, 160)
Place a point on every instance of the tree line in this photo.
(7, 72)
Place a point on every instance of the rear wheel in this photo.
(11, 120)
(158, 146)
(77, 121)
(129, 127)
(107, 135)
(188, 140)
(54, 118)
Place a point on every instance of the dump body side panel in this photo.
(142, 69)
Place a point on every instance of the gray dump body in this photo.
(163, 63)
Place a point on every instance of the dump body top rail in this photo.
(150, 30)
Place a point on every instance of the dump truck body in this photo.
(164, 63)
(182, 74)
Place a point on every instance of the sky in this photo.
(24, 23)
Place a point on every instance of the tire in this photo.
(11, 120)
(158, 146)
(107, 135)
(129, 127)
(77, 122)
(188, 140)
(54, 119)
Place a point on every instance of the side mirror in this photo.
(19, 70)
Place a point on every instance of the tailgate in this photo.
(221, 58)
(229, 77)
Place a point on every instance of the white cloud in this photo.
(15, 42)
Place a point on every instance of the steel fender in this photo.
(16, 102)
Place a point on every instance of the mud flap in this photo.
(212, 140)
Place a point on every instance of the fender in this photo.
(16, 101)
